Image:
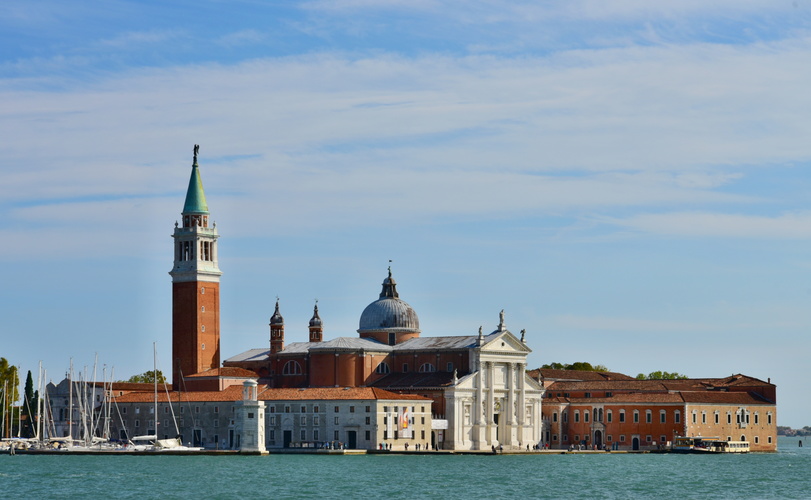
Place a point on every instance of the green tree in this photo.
(148, 377)
(579, 365)
(9, 385)
(29, 408)
(660, 375)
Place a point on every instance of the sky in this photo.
(628, 180)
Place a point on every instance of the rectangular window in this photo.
(196, 409)
(337, 409)
(368, 420)
(729, 418)
(315, 435)
(555, 417)
(622, 416)
(769, 420)
(165, 409)
(303, 420)
(636, 417)
(717, 418)
(576, 416)
(662, 417)
(586, 416)
(588, 395)
(368, 435)
(303, 435)
(368, 409)
(648, 417)
(695, 418)
(316, 420)
(703, 418)
(609, 394)
(272, 420)
(405, 367)
(181, 409)
(272, 409)
(316, 409)
(622, 438)
(287, 408)
(351, 409)
(216, 422)
(649, 438)
(677, 417)
(554, 437)
(303, 409)
(757, 419)
(577, 437)
(609, 416)
(450, 367)
(124, 410)
(272, 436)
(336, 420)
(337, 435)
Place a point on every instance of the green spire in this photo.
(195, 197)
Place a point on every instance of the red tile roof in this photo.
(234, 393)
(226, 371)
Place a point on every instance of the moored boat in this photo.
(701, 444)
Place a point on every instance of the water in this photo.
(786, 474)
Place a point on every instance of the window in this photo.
(586, 416)
(662, 417)
(577, 437)
(449, 366)
(272, 436)
(663, 438)
(336, 420)
(554, 437)
(622, 416)
(565, 416)
(427, 368)
(695, 417)
(368, 420)
(757, 421)
(368, 409)
(303, 435)
(382, 368)
(272, 420)
(555, 417)
(137, 423)
(303, 420)
(351, 409)
(368, 435)
(717, 417)
(336, 435)
(677, 417)
(648, 417)
(405, 367)
(729, 418)
(703, 417)
(303, 409)
(182, 409)
(287, 408)
(622, 438)
(649, 438)
(216, 409)
(316, 420)
(609, 438)
(769, 420)
(769, 439)
(609, 394)
(196, 409)
(577, 416)
(609, 416)
(315, 434)
(337, 409)
(291, 368)
(271, 409)
(757, 440)
(588, 395)
(636, 416)
(216, 422)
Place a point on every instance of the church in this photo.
(451, 392)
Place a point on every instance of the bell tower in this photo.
(195, 286)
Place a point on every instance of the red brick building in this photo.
(615, 411)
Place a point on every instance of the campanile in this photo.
(195, 286)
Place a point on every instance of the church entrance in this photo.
(635, 443)
(598, 439)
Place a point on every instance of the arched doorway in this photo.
(635, 443)
(598, 439)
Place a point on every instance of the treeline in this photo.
(788, 431)
(588, 367)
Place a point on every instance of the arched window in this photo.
(383, 368)
(291, 368)
(427, 368)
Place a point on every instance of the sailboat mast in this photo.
(70, 405)
(155, 378)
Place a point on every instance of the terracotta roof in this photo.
(608, 385)
(633, 397)
(548, 373)
(415, 380)
(125, 386)
(226, 371)
(234, 393)
(729, 398)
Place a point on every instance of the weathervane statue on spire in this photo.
(196, 151)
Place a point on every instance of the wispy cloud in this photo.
(719, 225)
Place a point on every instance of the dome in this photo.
(276, 319)
(389, 313)
(316, 319)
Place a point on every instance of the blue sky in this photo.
(628, 180)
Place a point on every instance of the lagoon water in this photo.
(785, 474)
